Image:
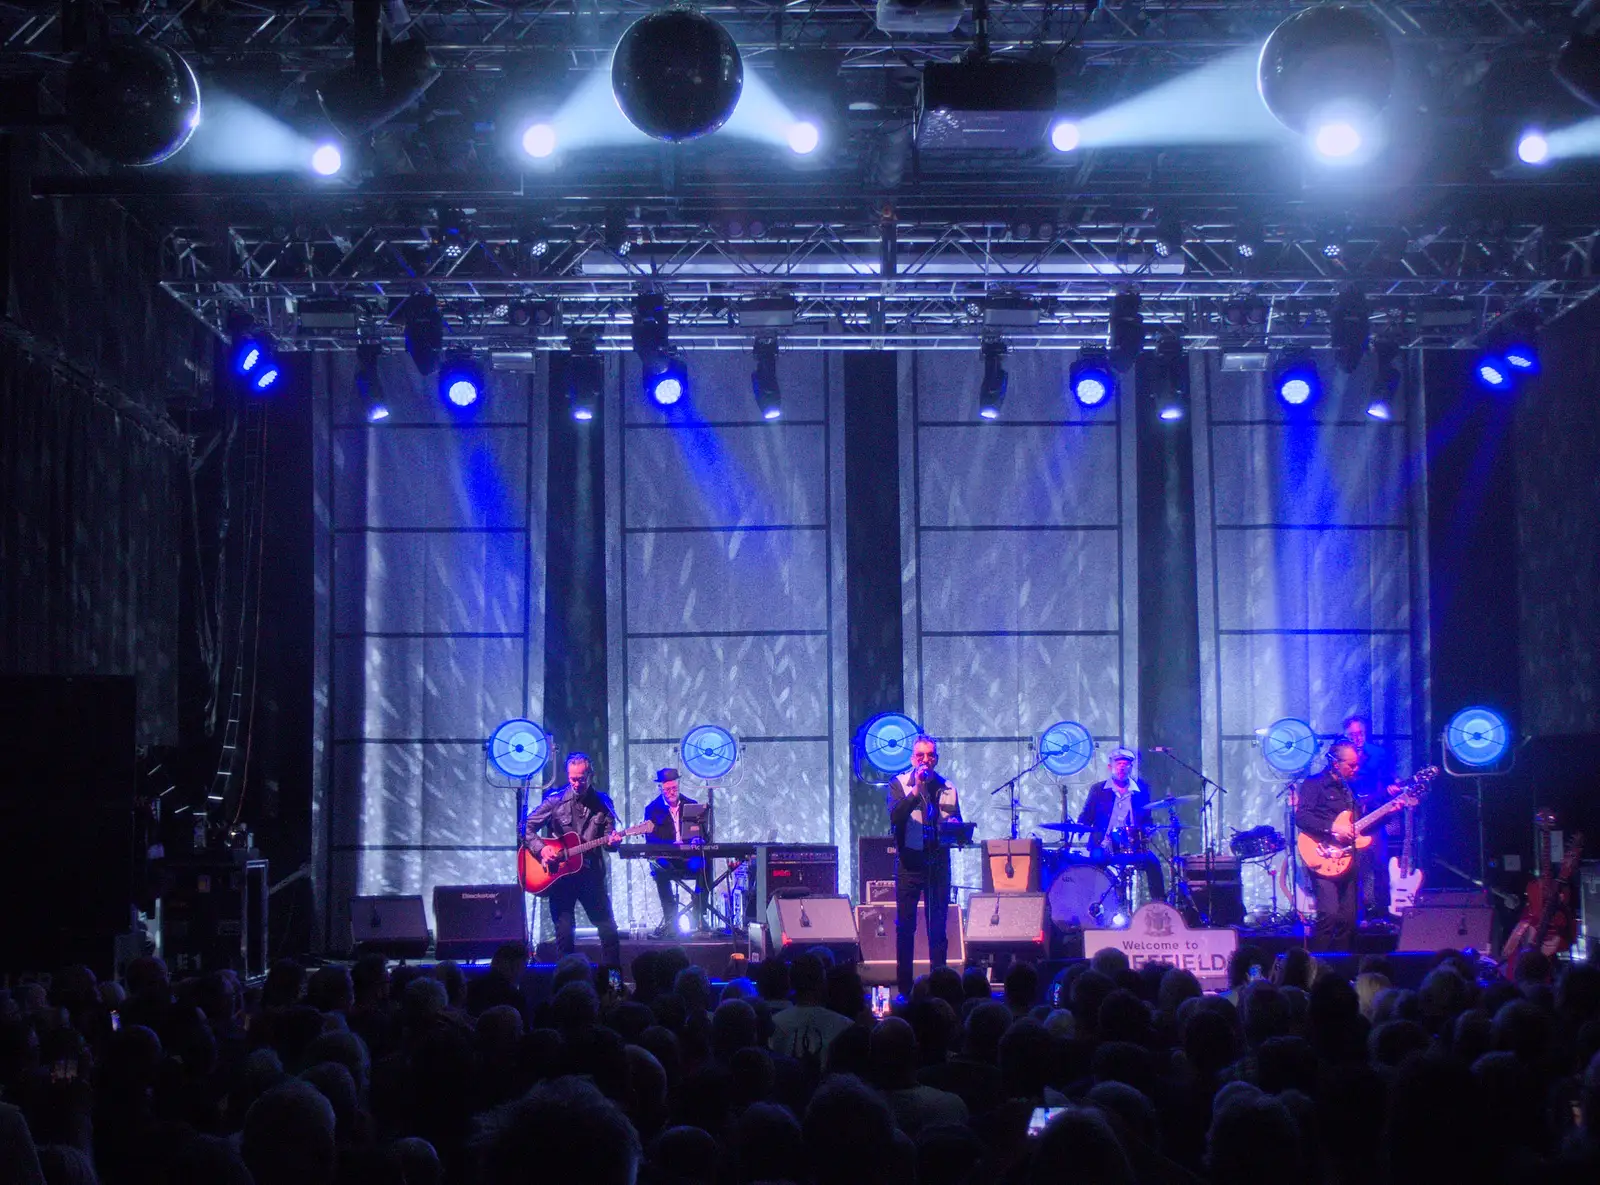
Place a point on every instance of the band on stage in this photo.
(1117, 824)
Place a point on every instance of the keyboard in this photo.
(665, 851)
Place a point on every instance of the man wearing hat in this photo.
(666, 812)
(1117, 812)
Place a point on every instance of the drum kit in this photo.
(1102, 887)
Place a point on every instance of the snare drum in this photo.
(1081, 895)
(1257, 843)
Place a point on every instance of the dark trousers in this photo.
(693, 870)
(1337, 901)
(914, 877)
(587, 888)
(1375, 876)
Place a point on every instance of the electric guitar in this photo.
(1332, 859)
(538, 874)
(1549, 923)
(1405, 878)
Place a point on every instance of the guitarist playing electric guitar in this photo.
(574, 814)
(1323, 799)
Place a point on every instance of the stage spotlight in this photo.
(1171, 375)
(585, 377)
(382, 79)
(1577, 66)
(424, 330)
(1337, 139)
(992, 390)
(665, 377)
(677, 74)
(1385, 378)
(1493, 372)
(368, 387)
(1065, 136)
(1349, 329)
(539, 140)
(1523, 359)
(1296, 380)
(1533, 148)
(1090, 378)
(1248, 239)
(1325, 71)
(1125, 337)
(461, 381)
(1477, 737)
(764, 379)
(1166, 240)
(132, 101)
(327, 160)
(803, 137)
(254, 357)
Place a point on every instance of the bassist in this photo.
(582, 808)
(1322, 799)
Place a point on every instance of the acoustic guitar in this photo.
(538, 874)
(1329, 859)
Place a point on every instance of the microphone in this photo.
(805, 921)
(995, 920)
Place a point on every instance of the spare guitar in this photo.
(1549, 921)
(1333, 859)
(538, 874)
(1405, 878)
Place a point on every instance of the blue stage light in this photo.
(1477, 737)
(1296, 381)
(267, 377)
(666, 379)
(1493, 372)
(1533, 148)
(1090, 378)
(327, 160)
(1523, 359)
(1065, 136)
(461, 381)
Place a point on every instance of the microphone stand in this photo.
(1208, 793)
(1011, 786)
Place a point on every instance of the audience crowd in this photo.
(365, 1075)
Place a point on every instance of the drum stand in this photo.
(1291, 863)
(1179, 895)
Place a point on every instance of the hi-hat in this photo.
(1173, 800)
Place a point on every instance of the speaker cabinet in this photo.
(875, 924)
(1217, 888)
(473, 921)
(1009, 921)
(395, 927)
(214, 915)
(1447, 928)
(1012, 865)
(875, 857)
(797, 923)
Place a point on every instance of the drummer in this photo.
(1117, 813)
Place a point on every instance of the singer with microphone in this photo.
(919, 800)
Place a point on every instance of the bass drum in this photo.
(1080, 896)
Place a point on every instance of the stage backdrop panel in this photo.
(725, 602)
(1309, 557)
(1018, 578)
(431, 615)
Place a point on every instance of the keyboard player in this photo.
(666, 812)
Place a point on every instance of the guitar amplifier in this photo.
(796, 870)
(1024, 858)
(875, 858)
(473, 921)
(875, 927)
(1429, 928)
(1588, 910)
(214, 915)
(1218, 890)
(878, 892)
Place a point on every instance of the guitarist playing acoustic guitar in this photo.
(577, 814)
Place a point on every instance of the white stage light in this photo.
(1064, 136)
(803, 137)
(539, 140)
(327, 160)
(1533, 148)
(1337, 140)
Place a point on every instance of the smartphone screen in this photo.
(614, 980)
(880, 1002)
(116, 1021)
(1040, 1117)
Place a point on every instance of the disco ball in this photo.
(677, 74)
(1332, 60)
(132, 101)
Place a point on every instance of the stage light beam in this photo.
(1065, 136)
(539, 140)
(1337, 140)
(327, 160)
(1533, 148)
(803, 137)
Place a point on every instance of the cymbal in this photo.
(1173, 800)
(1068, 828)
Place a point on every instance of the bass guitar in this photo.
(1405, 878)
(537, 874)
(1328, 859)
(1549, 922)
